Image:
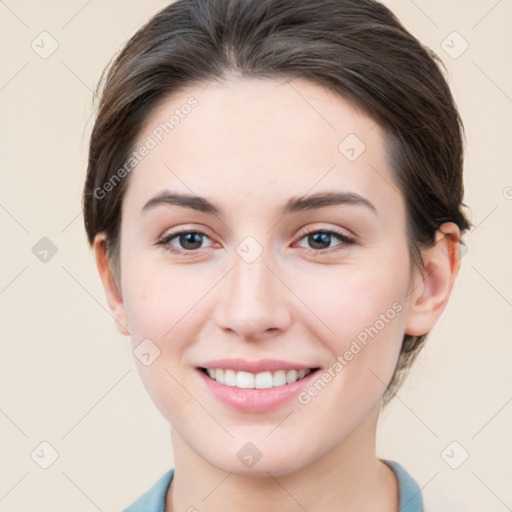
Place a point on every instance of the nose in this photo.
(255, 303)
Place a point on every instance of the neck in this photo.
(349, 477)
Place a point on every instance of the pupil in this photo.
(323, 239)
(191, 238)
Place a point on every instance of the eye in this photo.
(187, 241)
(320, 240)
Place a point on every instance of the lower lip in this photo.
(255, 400)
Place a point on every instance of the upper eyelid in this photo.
(303, 232)
(181, 231)
(337, 231)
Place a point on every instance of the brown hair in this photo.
(356, 48)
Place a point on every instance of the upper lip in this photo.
(263, 365)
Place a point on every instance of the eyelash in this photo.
(347, 241)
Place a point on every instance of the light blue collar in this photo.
(410, 499)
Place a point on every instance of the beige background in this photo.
(68, 378)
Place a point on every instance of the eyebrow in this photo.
(295, 204)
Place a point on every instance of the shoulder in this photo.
(410, 497)
(414, 499)
(153, 500)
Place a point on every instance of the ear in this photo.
(114, 297)
(433, 284)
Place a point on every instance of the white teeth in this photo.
(263, 380)
(291, 376)
(279, 378)
(245, 380)
(229, 377)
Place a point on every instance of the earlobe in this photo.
(113, 295)
(434, 281)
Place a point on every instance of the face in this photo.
(295, 258)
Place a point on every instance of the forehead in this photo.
(236, 138)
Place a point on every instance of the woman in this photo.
(274, 198)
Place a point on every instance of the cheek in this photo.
(350, 300)
(160, 312)
(362, 321)
(156, 298)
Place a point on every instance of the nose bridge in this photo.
(254, 303)
(251, 279)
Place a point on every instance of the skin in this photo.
(249, 146)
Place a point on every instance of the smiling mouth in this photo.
(262, 380)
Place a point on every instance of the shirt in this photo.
(410, 499)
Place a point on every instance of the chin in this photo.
(258, 458)
(272, 466)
